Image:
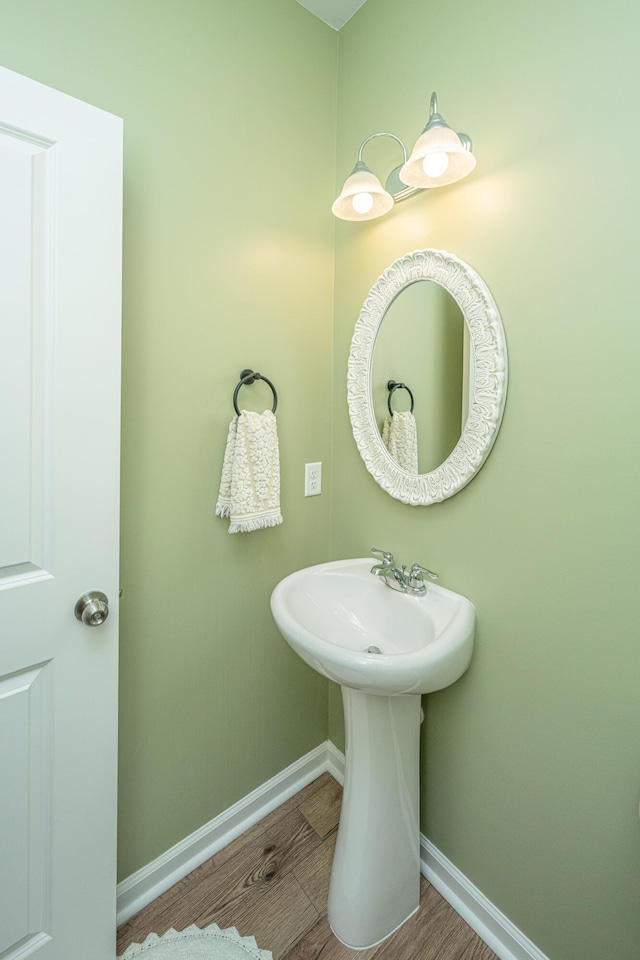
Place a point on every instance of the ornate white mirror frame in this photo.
(489, 358)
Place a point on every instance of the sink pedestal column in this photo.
(375, 879)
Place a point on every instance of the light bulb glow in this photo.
(362, 202)
(435, 164)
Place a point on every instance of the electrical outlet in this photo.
(312, 479)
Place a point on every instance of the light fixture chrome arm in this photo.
(435, 120)
(393, 184)
(382, 134)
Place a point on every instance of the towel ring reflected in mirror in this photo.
(247, 377)
(392, 386)
(488, 377)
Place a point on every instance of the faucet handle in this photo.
(385, 556)
(419, 573)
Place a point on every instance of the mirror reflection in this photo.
(422, 345)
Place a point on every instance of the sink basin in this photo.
(352, 628)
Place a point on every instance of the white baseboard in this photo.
(335, 762)
(146, 884)
(142, 887)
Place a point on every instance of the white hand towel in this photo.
(400, 437)
(250, 484)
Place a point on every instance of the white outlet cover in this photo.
(312, 479)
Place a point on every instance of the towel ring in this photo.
(392, 386)
(247, 377)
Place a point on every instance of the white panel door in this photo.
(60, 293)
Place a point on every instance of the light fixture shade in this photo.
(370, 197)
(436, 142)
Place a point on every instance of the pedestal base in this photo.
(375, 880)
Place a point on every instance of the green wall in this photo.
(531, 763)
(229, 113)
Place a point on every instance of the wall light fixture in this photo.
(440, 156)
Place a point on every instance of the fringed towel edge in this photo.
(248, 524)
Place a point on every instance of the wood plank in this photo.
(312, 944)
(277, 919)
(255, 867)
(314, 873)
(477, 949)
(253, 833)
(322, 810)
(320, 942)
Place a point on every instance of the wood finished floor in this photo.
(272, 884)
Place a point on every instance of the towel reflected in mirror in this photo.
(400, 437)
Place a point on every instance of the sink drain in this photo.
(373, 650)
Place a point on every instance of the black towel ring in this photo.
(247, 377)
(392, 386)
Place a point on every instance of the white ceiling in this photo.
(334, 12)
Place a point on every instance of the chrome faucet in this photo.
(406, 581)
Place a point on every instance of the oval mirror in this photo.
(427, 387)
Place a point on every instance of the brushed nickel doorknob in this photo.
(92, 608)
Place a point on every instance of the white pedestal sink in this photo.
(385, 649)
